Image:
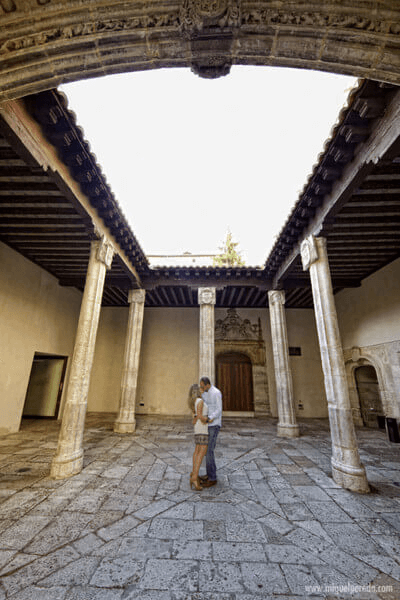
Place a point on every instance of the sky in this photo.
(189, 159)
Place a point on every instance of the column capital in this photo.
(207, 295)
(104, 251)
(137, 296)
(276, 297)
(310, 250)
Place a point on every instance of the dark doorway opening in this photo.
(235, 380)
(369, 396)
(45, 386)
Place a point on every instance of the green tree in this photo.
(229, 257)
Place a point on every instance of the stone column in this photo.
(287, 425)
(207, 346)
(347, 470)
(126, 422)
(69, 456)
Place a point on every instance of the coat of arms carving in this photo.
(199, 15)
(233, 327)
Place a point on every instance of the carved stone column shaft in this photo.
(126, 422)
(207, 345)
(287, 425)
(347, 469)
(69, 456)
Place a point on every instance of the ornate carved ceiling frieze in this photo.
(44, 43)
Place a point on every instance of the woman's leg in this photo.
(195, 460)
(199, 454)
(202, 453)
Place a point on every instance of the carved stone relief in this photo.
(235, 328)
(199, 15)
(386, 362)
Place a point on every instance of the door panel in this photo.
(45, 386)
(368, 393)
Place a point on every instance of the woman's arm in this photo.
(200, 416)
(199, 413)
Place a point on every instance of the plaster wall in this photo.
(307, 374)
(105, 381)
(169, 361)
(370, 314)
(36, 315)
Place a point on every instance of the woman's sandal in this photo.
(195, 483)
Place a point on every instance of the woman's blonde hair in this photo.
(194, 393)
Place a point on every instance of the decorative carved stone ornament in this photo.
(235, 328)
(105, 252)
(199, 15)
(276, 297)
(309, 252)
(206, 295)
(137, 296)
(210, 27)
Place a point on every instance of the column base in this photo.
(61, 468)
(288, 430)
(124, 427)
(350, 478)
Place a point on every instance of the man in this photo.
(213, 398)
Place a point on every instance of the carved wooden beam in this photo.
(384, 140)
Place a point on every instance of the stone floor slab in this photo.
(129, 526)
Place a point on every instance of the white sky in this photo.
(189, 158)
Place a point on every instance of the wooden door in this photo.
(235, 380)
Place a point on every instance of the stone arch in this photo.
(45, 43)
(361, 357)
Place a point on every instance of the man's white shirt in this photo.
(213, 399)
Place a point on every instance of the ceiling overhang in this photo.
(54, 200)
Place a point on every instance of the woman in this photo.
(200, 412)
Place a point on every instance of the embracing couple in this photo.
(206, 403)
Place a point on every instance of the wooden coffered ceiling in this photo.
(352, 198)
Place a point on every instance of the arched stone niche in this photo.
(385, 358)
(234, 334)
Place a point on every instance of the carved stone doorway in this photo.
(369, 396)
(241, 338)
(235, 380)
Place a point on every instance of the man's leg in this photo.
(210, 458)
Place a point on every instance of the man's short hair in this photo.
(205, 380)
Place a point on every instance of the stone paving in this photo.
(129, 527)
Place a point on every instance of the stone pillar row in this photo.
(347, 470)
(207, 296)
(346, 467)
(69, 456)
(287, 426)
(126, 422)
